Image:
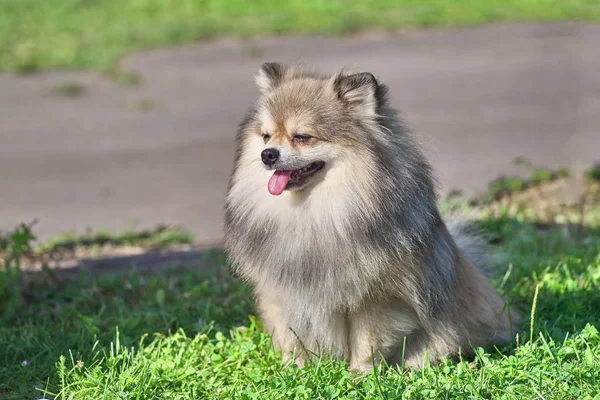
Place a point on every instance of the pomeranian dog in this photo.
(331, 215)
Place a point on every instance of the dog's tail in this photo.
(471, 241)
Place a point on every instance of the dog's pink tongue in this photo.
(278, 182)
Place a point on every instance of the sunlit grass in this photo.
(94, 34)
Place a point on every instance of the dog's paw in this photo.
(358, 370)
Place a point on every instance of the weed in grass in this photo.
(123, 77)
(254, 51)
(505, 186)
(69, 89)
(24, 58)
(142, 105)
(128, 78)
(12, 247)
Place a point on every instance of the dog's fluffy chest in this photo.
(306, 252)
(314, 244)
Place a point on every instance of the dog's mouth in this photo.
(293, 179)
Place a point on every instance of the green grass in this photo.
(505, 186)
(593, 173)
(157, 238)
(94, 34)
(189, 333)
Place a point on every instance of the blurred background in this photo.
(118, 117)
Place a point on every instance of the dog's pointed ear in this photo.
(270, 76)
(358, 91)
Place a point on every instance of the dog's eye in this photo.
(302, 138)
(266, 137)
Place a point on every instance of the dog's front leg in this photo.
(276, 324)
(362, 343)
(379, 331)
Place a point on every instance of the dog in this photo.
(331, 216)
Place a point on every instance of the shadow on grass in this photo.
(66, 311)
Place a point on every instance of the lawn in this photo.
(188, 331)
(94, 34)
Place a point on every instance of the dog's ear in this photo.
(270, 76)
(358, 91)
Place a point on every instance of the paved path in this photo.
(479, 97)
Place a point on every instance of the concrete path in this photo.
(162, 152)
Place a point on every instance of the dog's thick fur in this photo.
(358, 263)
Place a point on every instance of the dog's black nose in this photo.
(269, 156)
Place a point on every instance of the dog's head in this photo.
(306, 123)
